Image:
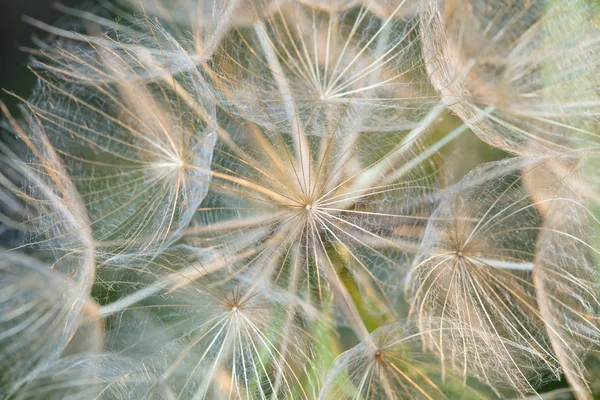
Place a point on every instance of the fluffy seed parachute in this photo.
(255, 199)
(484, 259)
(522, 74)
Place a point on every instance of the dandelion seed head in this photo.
(222, 190)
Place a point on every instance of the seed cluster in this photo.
(305, 199)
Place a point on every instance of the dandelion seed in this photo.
(299, 62)
(44, 305)
(94, 376)
(217, 337)
(48, 201)
(141, 50)
(203, 23)
(306, 212)
(391, 364)
(137, 152)
(475, 267)
(522, 75)
(565, 276)
(41, 311)
(381, 8)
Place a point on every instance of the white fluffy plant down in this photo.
(522, 74)
(304, 199)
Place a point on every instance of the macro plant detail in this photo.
(522, 75)
(480, 264)
(304, 199)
